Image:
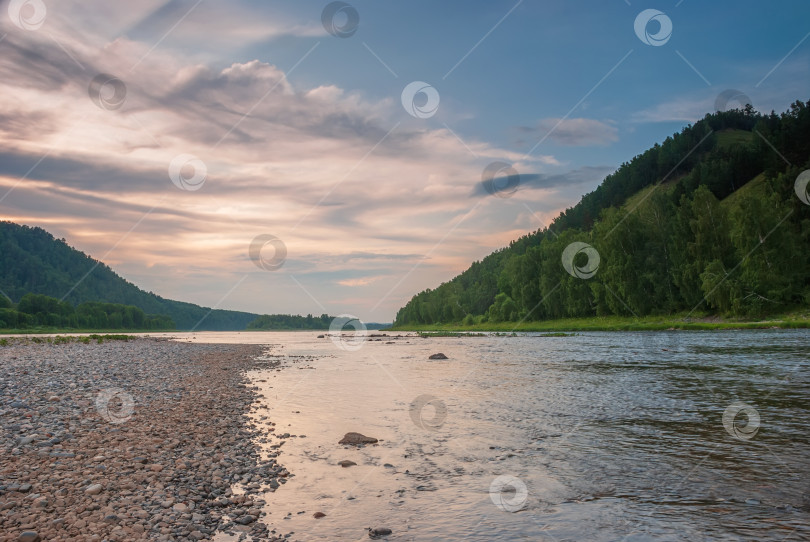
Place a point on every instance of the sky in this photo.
(297, 156)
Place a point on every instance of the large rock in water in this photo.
(357, 438)
(438, 356)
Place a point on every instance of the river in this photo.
(595, 436)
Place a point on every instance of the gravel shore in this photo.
(137, 440)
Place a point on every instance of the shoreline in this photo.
(132, 440)
(616, 323)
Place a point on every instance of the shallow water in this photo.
(602, 436)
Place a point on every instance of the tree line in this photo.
(706, 222)
(35, 310)
(277, 322)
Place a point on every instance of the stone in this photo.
(379, 531)
(438, 356)
(85, 478)
(93, 489)
(63, 455)
(318, 515)
(357, 438)
(29, 536)
(346, 463)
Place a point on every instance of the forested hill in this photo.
(708, 221)
(32, 261)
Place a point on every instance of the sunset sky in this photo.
(306, 136)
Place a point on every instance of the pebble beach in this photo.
(145, 439)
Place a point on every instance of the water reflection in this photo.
(614, 436)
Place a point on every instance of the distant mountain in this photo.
(707, 220)
(376, 325)
(33, 261)
(291, 322)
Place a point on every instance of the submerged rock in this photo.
(438, 356)
(378, 532)
(346, 463)
(357, 438)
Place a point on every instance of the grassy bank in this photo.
(622, 323)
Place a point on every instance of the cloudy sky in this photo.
(168, 138)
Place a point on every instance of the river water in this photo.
(596, 436)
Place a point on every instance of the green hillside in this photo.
(32, 261)
(706, 222)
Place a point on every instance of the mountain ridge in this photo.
(661, 255)
(34, 261)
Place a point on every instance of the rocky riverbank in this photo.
(136, 440)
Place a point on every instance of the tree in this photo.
(713, 224)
